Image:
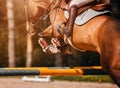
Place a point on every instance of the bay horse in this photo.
(100, 34)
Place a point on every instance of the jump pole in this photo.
(44, 71)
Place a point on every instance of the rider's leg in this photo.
(72, 15)
(80, 3)
(73, 10)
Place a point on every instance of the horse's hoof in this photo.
(40, 35)
(69, 52)
(52, 49)
(66, 50)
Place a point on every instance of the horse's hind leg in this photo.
(111, 65)
(115, 74)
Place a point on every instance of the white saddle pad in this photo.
(86, 16)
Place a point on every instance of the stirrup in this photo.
(64, 31)
(67, 32)
(59, 28)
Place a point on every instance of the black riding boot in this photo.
(70, 23)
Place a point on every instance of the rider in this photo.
(72, 7)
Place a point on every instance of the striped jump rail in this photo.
(53, 71)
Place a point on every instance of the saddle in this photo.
(88, 12)
(97, 7)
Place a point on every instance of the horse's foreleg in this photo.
(48, 48)
(43, 44)
(46, 33)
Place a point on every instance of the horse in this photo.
(100, 34)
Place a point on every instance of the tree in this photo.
(11, 27)
(29, 50)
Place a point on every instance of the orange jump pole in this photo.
(61, 71)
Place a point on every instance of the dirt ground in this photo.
(19, 83)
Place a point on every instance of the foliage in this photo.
(3, 34)
(116, 8)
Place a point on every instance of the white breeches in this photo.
(79, 3)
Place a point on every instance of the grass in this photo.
(88, 78)
(85, 78)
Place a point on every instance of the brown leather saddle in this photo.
(96, 7)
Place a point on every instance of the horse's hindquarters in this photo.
(110, 49)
